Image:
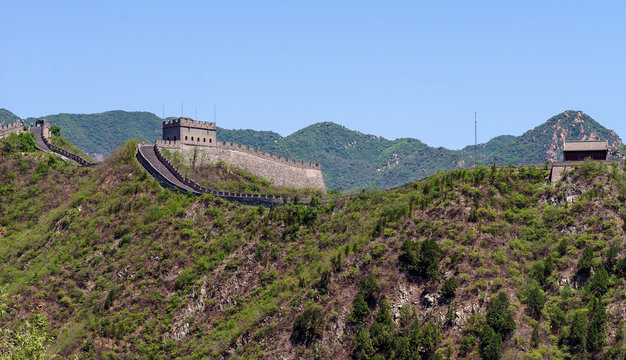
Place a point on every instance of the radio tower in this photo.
(475, 140)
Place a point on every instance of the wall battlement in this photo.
(14, 127)
(188, 122)
(233, 196)
(248, 150)
(266, 155)
(185, 134)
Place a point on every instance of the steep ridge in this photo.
(44, 145)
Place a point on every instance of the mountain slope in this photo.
(104, 263)
(7, 117)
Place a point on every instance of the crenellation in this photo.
(185, 133)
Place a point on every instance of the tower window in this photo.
(185, 137)
(192, 138)
(174, 137)
(204, 140)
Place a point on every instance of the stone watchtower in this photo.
(190, 132)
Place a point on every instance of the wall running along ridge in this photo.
(282, 171)
(185, 184)
(45, 134)
(14, 128)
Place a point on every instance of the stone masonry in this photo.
(13, 128)
(282, 171)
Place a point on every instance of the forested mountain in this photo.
(349, 159)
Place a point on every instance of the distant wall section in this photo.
(13, 128)
(282, 171)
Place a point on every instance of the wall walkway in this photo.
(44, 145)
(150, 157)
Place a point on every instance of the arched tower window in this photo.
(185, 137)
(210, 140)
(204, 140)
(192, 138)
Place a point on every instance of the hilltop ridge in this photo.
(350, 159)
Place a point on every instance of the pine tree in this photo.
(490, 343)
(499, 317)
(596, 332)
(534, 338)
(578, 332)
(536, 300)
(600, 282)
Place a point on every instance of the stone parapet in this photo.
(14, 127)
(169, 144)
(188, 122)
(266, 155)
(231, 196)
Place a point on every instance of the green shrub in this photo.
(448, 289)
(360, 309)
(185, 279)
(308, 326)
(421, 258)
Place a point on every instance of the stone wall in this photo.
(282, 171)
(16, 127)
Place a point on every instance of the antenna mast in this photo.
(475, 140)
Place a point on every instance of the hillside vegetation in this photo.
(350, 160)
(491, 263)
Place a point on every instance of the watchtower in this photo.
(581, 150)
(190, 132)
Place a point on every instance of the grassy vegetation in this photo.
(118, 267)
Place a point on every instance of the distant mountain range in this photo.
(350, 159)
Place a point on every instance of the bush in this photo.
(359, 309)
(448, 289)
(186, 278)
(421, 258)
(368, 286)
(308, 326)
(585, 262)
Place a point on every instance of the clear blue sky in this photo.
(393, 68)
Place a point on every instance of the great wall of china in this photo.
(13, 128)
(150, 157)
(187, 135)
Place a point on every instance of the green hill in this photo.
(488, 263)
(104, 132)
(350, 160)
(7, 117)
